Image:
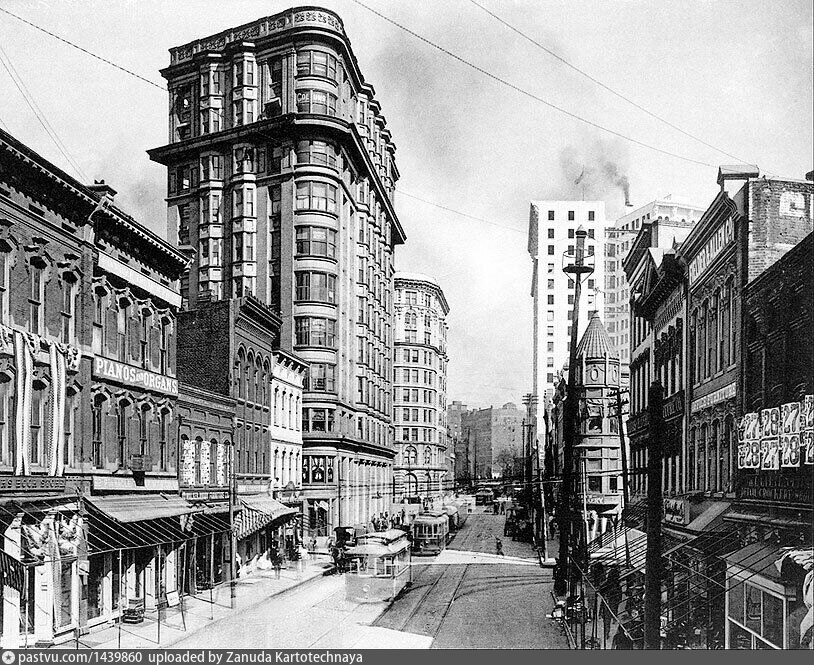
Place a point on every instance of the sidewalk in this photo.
(199, 612)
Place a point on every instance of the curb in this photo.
(230, 614)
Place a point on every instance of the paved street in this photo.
(466, 597)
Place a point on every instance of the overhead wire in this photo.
(37, 111)
(527, 93)
(603, 85)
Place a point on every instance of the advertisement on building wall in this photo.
(777, 437)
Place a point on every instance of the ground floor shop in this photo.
(266, 531)
(73, 564)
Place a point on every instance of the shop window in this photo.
(121, 432)
(773, 619)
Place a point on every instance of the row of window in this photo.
(39, 426)
(315, 331)
(427, 434)
(571, 215)
(418, 396)
(37, 278)
(715, 338)
(409, 455)
(418, 415)
(414, 297)
(427, 377)
(124, 410)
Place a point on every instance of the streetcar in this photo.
(463, 511)
(485, 496)
(430, 532)
(452, 512)
(379, 566)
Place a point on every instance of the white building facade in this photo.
(552, 244)
(420, 387)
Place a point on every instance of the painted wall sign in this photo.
(727, 392)
(205, 495)
(723, 235)
(777, 437)
(31, 483)
(134, 376)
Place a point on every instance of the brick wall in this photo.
(204, 353)
(780, 216)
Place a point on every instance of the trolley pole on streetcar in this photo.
(566, 517)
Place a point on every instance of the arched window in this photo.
(121, 431)
(214, 476)
(410, 455)
(197, 472)
(731, 331)
(703, 345)
(713, 456)
(249, 375)
(143, 429)
(144, 337)
(240, 372)
(412, 484)
(691, 459)
(427, 455)
(97, 430)
(713, 334)
(729, 451)
(703, 481)
(163, 438)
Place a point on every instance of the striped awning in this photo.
(258, 511)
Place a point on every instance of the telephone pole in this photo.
(653, 562)
(623, 452)
(565, 511)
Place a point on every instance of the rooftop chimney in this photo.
(105, 190)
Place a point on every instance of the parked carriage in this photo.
(430, 532)
(379, 566)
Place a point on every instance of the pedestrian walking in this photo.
(277, 563)
(499, 546)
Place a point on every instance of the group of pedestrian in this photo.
(382, 522)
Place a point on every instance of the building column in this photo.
(42, 594)
(12, 597)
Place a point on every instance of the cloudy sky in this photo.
(736, 74)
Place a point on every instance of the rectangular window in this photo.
(550, 215)
(570, 215)
(551, 251)
(551, 234)
(591, 233)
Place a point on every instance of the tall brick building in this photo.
(89, 506)
(281, 175)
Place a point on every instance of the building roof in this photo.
(595, 342)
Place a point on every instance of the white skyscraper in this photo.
(552, 243)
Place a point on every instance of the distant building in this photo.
(493, 436)
(597, 448)
(674, 219)
(462, 466)
(419, 387)
(551, 245)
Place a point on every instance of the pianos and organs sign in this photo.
(777, 438)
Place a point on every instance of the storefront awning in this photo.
(135, 521)
(139, 507)
(266, 504)
(259, 511)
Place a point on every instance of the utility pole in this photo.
(232, 529)
(623, 453)
(653, 562)
(565, 516)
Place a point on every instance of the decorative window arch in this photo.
(410, 455)
(199, 442)
(240, 373)
(123, 405)
(412, 484)
(427, 455)
(145, 411)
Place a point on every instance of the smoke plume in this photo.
(593, 172)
